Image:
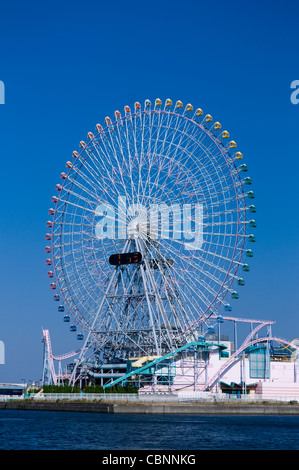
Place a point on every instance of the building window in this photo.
(258, 363)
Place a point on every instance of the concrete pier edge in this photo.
(114, 407)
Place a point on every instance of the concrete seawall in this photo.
(198, 408)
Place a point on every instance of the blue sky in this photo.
(67, 65)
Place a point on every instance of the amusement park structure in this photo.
(50, 376)
(148, 242)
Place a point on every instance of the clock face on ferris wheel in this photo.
(149, 227)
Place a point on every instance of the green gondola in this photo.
(244, 167)
(246, 267)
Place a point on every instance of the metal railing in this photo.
(186, 397)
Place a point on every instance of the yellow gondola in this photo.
(225, 135)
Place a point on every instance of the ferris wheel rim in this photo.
(111, 129)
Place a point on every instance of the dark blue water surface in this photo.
(74, 430)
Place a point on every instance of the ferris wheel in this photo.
(149, 230)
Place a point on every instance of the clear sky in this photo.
(68, 65)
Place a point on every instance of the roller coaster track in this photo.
(49, 357)
(248, 342)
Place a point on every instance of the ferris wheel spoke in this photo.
(192, 286)
(204, 273)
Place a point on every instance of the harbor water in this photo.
(50, 430)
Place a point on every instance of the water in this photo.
(67, 430)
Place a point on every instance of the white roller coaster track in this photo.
(249, 341)
(50, 358)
